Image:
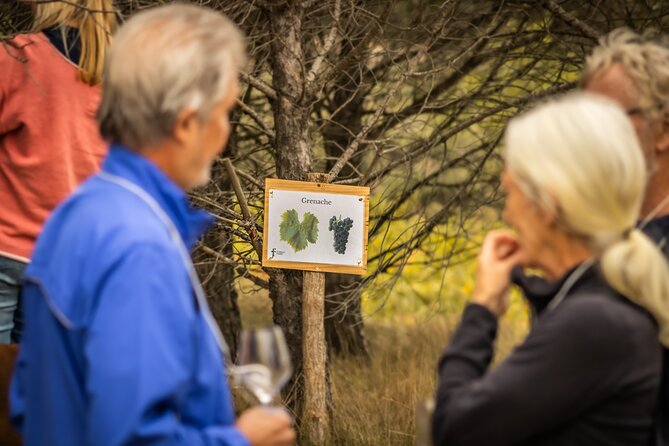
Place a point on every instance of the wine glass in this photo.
(263, 366)
(424, 411)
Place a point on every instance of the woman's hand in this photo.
(499, 254)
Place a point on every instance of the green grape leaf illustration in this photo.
(310, 224)
(292, 232)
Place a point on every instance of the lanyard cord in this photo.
(183, 253)
(568, 284)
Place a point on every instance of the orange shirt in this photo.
(49, 139)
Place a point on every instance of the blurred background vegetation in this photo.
(410, 98)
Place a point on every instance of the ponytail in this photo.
(636, 268)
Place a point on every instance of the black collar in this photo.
(539, 291)
(66, 40)
(658, 228)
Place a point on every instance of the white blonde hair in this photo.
(579, 157)
(162, 61)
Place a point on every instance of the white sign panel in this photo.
(315, 226)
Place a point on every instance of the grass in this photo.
(375, 402)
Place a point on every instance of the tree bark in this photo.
(315, 415)
(344, 325)
(291, 116)
(285, 291)
(293, 161)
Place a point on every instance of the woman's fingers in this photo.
(499, 254)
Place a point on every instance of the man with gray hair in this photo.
(120, 347)
(633, 71)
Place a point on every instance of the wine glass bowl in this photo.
(263, 366)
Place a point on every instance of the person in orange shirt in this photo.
(49, 139)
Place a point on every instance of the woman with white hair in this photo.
(589, 371)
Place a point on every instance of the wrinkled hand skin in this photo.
(500, 252)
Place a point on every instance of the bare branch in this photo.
(239, 269)
(421, 147)
(260, 85)
(570, 19)
(253, 115)
(249, 222)
(316, 70)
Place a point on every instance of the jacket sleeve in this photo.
(139, 353)
(564, 367)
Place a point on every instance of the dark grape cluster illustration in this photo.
(341, 228)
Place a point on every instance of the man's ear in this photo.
(662, 141)
(186, 126)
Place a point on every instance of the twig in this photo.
(260, 85)
(331, 39)
(243, 204)
(353, 147)
(250, 178)
(249, 111)
(570, 19)
(421, 147)
(243, 272)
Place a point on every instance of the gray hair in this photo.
(645, 60)
(164, 60)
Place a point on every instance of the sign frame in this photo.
(315, 187)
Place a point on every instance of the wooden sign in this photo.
(315, 226)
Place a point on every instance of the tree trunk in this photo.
(291, 115)
(315, 418)
(344, 325)
(285, 290)
(293, 161)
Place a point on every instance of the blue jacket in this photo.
(116, 349)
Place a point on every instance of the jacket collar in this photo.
(125, 163)
(67, 41)
(658, 228)
(540, 291)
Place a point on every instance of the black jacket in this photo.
(538, 293)
(587, 374)
(658, 230)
